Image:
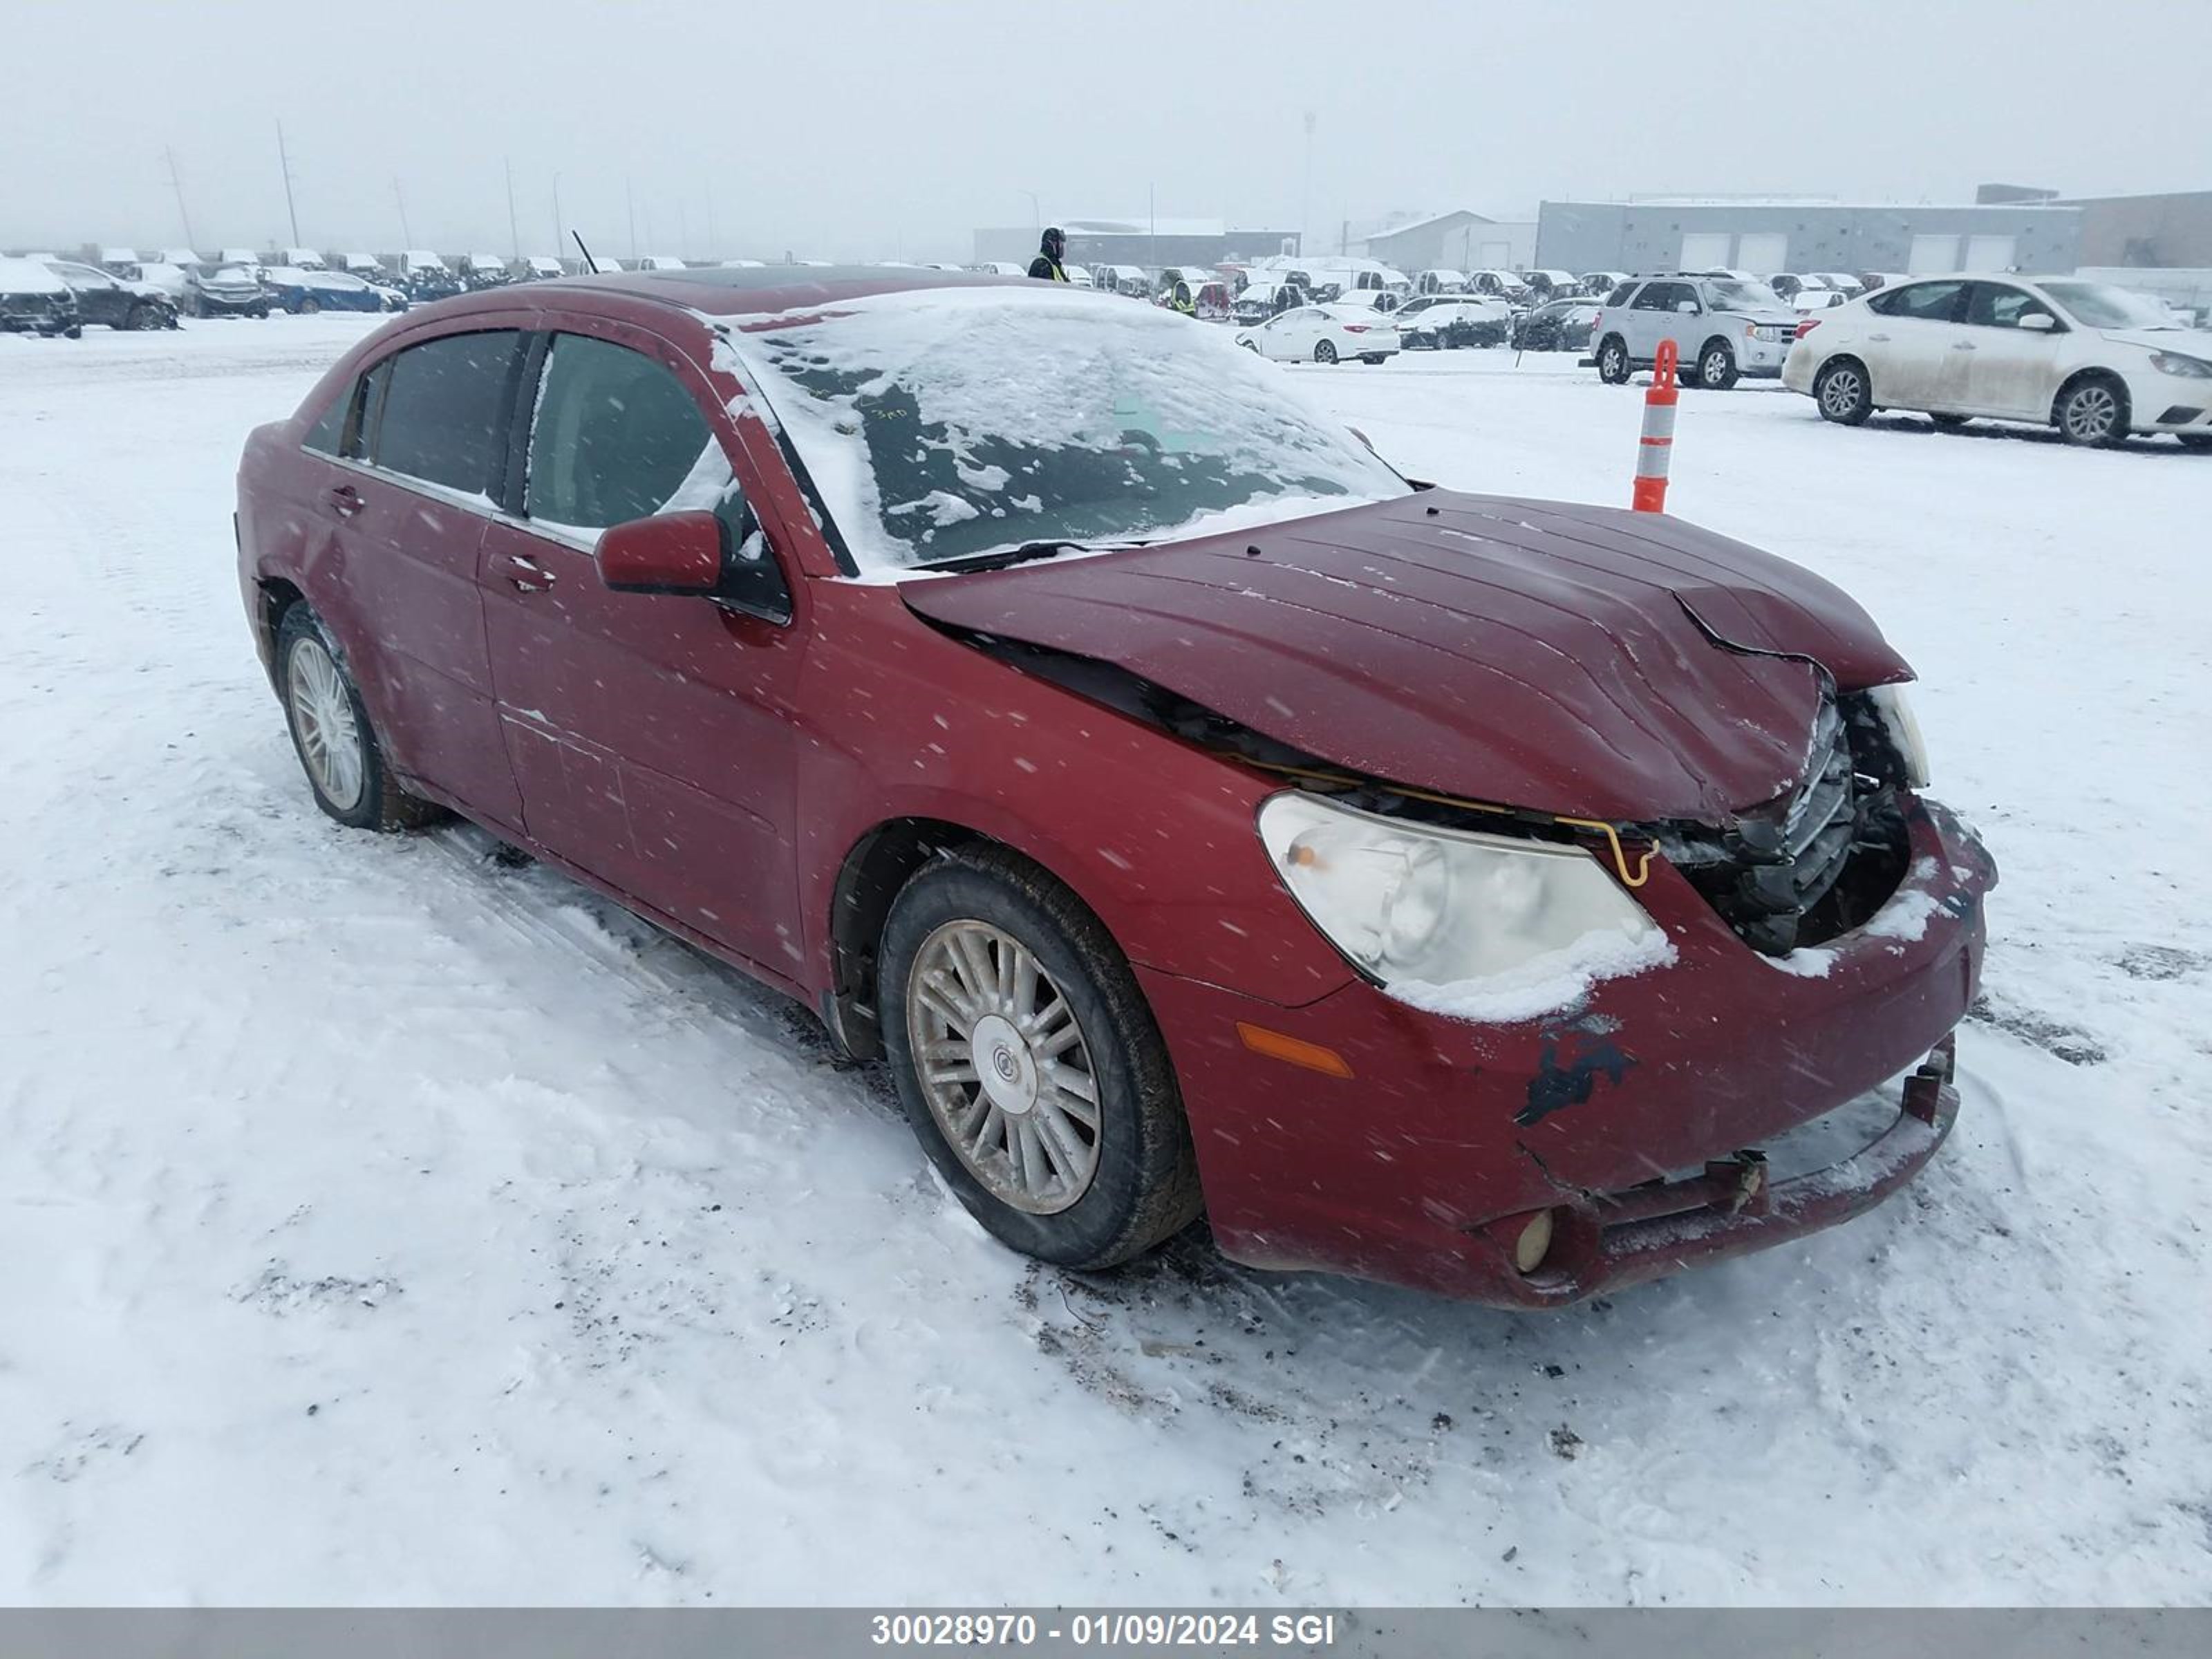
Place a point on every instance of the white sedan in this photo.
(2096, 362)
(1323, 334)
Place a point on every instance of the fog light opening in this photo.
(1534, 1242)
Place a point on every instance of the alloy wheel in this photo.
(322, 713)
(1840, 393)
(1004, 1066)
(2091, 413)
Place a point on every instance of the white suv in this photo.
(2096, 362)
(1722, 327)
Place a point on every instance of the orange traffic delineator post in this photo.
(1656, 447)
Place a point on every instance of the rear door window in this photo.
(1927, 302)
(615, 437)
(444, 408)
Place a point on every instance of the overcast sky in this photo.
(857, 129)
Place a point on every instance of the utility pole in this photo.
(1305, 201)
(177, 186)
(406, 235)
(514, 225)
(284, 162)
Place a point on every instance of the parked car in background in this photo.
(367, 266)
(424, 276)
(243, 259)
(1452, 322)
(102, 298)
(1842, 281)
(183, 258)
(1545, 285)
(1499, 285)
(1788, 284)
(1380, 301)
(300, 259)
(1597, 284)
(1558, 325)
(2096, 362)
(1324, 334)
(483, 271)
(120, 262)
(1567, 857)
(1871, 279)
(541, 268)
(1724, 328)
(1440, 282)
(33, 300)
(307, 292)
(663, 262)
(1809, 299)
(1262, 298)
(224, 291)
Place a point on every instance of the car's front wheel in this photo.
(1029, 1066)
(143, 317)
(2092, 411)
(1717, 370)
(1325, 352)
(330, 733)
(1612, 360)
(1841, 393)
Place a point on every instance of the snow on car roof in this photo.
(28, 276)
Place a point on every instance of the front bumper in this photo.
(226, 305)
(2154, 398)
(1421, 1167)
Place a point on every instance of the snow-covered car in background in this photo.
(425, 276)
(483, 271)
(1545, 284)
(1324, 334)
(1599, 284)
(33, 300)
(541, 268)
(367, 266)
(1557, 325)
(1383, 302)
(662, 262)
(1789, 284)
(120, 262)
(1499, 285)
(225, 291)
(304, 293)
(1810, 299)
(2097, 361)
(244, 259)
(1440, 282)
(1452, 322)
(169, 280)
(112, 300)
(301, 258)
(1263, 298)
(1722, 327)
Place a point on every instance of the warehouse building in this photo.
(2174, 229)
(1763, 236)
(1459, 240)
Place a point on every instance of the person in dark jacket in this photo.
(1051, 250)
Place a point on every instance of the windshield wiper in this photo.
(1004, 557)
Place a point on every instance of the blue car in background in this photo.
(301, 291)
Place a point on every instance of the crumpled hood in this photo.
(1537, 654)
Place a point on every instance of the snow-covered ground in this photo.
(380, 1223)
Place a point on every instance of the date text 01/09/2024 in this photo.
(1146, 1630)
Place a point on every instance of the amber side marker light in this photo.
(1311, 1055)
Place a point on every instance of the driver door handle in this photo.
(1965, 345)
(344, 500)
(527, 575)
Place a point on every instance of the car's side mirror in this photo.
(2041, 321)
(1687, 308)
(697, 553)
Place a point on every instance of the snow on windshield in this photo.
(951, 422)
(2099, 304)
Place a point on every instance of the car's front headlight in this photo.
(2172, 362)
(1415, 906)
(1889, 702)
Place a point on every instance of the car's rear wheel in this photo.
(1029, 1065)
(2091, 412)
(309, 306)
(1612, 360)
(1325, 352)
(1717, 370)
(1841, 392)
(330, 731)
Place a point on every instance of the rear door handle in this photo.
(527, 575)
(1966, 345)
(344, 500)
(1879, 339)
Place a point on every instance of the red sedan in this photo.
(1199, 817)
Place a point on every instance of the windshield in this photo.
(1723, 294)
(945, 424)
(2099, 304)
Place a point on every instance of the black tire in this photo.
(1375, 358)
(74, 331)
(1612, 364)
(143, 317)
(1949, 423)
(1325, 352)
(379, 802)
(1716, 365)
(309, 306)
(1842, 391)
(1144, 1188)
(2091, 412)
